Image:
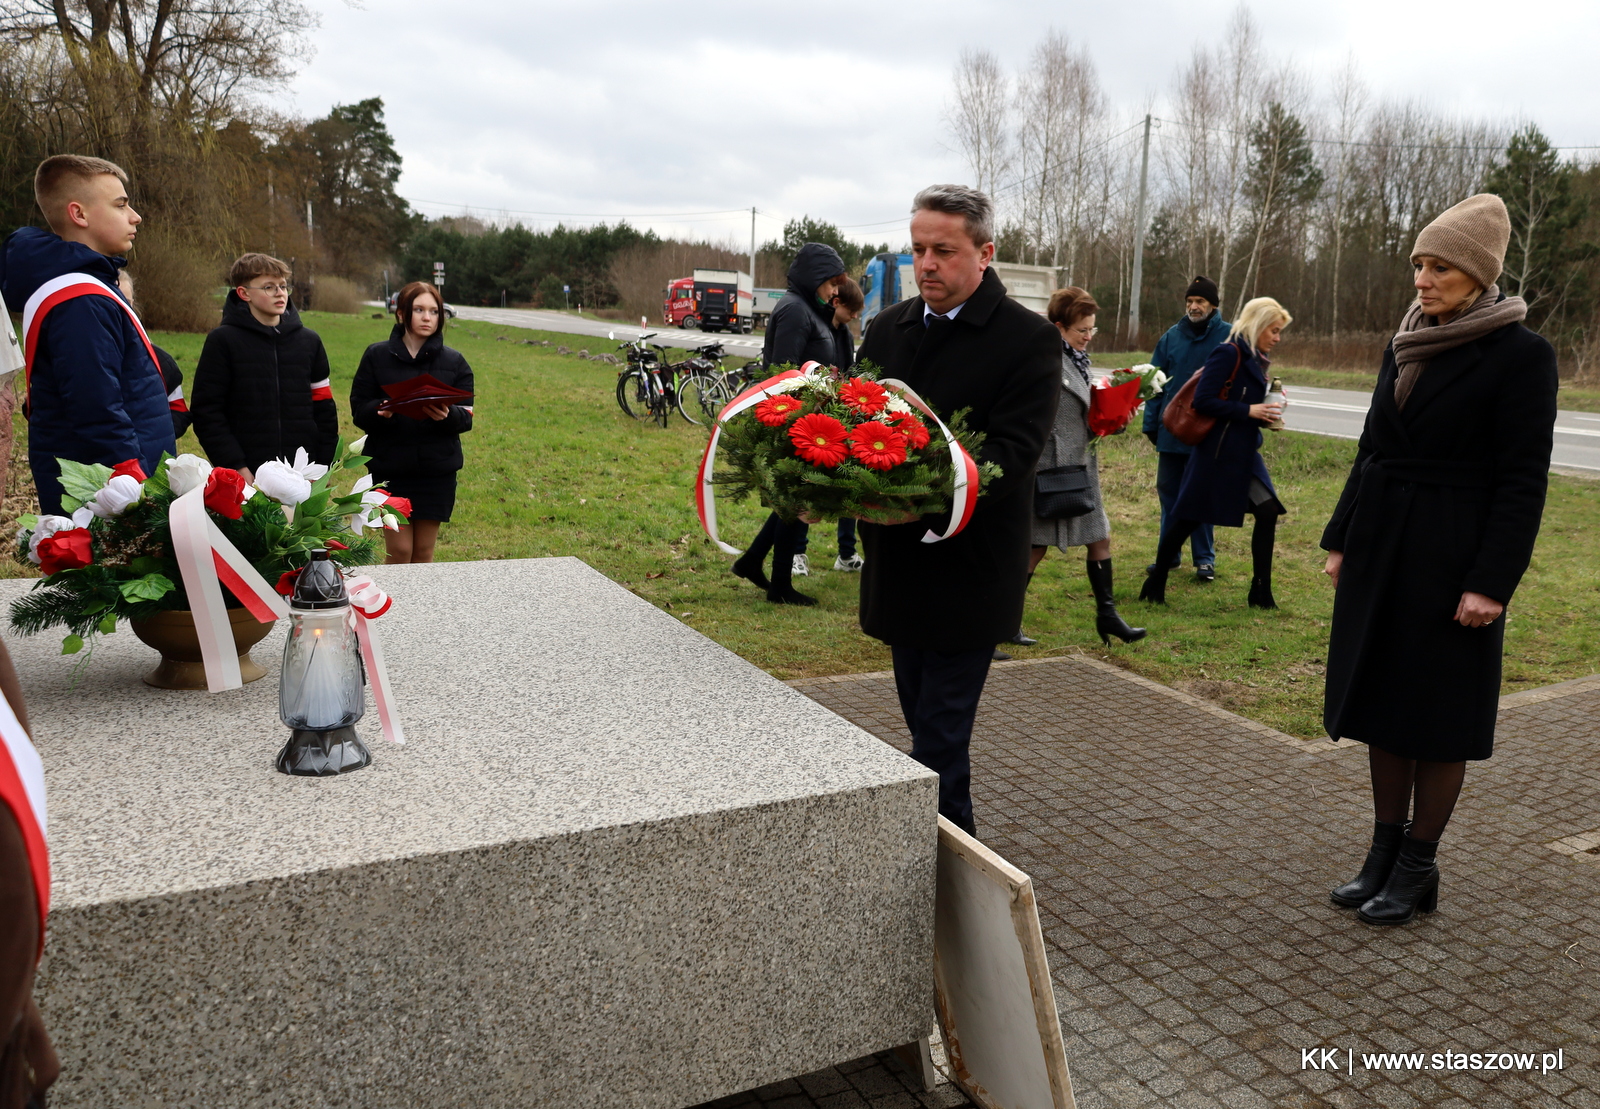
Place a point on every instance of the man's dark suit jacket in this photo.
(1003, 362)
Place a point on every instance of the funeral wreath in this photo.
(111, 557)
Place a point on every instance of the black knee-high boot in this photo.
(748, 565)
(783, 551)
(1022, 638)
(1155, 581)
(1261, 543)
(1107, 621)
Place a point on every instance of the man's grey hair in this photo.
(959, 200)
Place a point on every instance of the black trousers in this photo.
(939, 696)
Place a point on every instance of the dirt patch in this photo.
(1233, 696)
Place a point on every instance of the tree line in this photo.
(1270, 182)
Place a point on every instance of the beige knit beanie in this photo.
(1472, 237)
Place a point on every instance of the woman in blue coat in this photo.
(1225, 477)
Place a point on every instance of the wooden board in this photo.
(997, 1009)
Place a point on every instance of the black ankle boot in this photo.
(1022, 638)
(750, 571)
(1412, 888)
(1375, 871)
(1107, 621)
(1154, 589)
(1261, 593)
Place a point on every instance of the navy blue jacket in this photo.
(1216, 483)
(1179, 353)
(94, 393)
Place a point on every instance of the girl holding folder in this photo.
(414, 423)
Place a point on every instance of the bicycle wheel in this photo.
(693, 402)
(633, 393)
(661, 407)
(714, 397)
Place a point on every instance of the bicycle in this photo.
(641, 393)
(696, 379)
(729, 384)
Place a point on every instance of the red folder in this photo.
(411, 396)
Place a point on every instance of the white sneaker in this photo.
(801, 569)
(851, 565)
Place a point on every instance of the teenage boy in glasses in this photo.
(261, 387)
(95, 392)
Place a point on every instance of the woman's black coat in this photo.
(1003, 363)
(1216, 482)
(401, 446)
(1444, 498)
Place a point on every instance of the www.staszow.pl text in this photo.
(1344, 1059)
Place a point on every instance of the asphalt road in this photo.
(1334, 412)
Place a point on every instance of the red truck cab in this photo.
(681, 307)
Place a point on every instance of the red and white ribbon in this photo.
(207, 562)
(367, 603)
(68, 287)
(964, 494)
(705, 500)
(22, 790)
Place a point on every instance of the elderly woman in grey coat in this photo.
(1073, 312)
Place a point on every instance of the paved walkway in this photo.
(1182, 855)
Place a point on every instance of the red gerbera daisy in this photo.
(878, 445)
(775, 411)
(820, 440)
(915, 431)
(867, 397)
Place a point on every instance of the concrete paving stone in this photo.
(787, 1088)
(823, 1083)
(1183, 909)
(848, 1099)
(899, 1099)
(799, 1101)
(876, 1081)
(942, 1097)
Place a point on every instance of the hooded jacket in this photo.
(401, 446)
(260, 392)
(800, 330)
(1178, 354)
(94, 394)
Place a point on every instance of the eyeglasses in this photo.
(1086, 332)
(268, 288)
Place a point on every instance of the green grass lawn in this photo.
(554, 468)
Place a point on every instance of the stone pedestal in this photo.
(615, 865)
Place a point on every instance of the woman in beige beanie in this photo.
(1429, 540)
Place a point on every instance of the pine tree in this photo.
(1544, 260)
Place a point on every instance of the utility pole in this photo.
(311, 255)
(1138, 241)
(752, 246)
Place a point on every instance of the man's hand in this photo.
(436, 411)
(1333, 565)
(1476, 610)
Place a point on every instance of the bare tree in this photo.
(979, 117)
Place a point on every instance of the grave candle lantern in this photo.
(321, 695)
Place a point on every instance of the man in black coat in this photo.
(800, 330)
(261, 387)
(941, 607)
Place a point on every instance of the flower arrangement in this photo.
(111, 558)
(1113, 401)
(829, 444)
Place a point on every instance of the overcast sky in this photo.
(652, 110)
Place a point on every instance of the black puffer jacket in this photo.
(401, 446)
(260, 392)
(801, 330)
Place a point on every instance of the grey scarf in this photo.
(1422, 337)
(1079, 360)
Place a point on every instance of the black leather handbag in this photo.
(1062, 492)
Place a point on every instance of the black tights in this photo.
(1261, 543)
(1432, 786)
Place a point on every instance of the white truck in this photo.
(726, 300)
(1028, 285)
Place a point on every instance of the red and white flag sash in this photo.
(68, 287)
(207, 562)
(22, 789)
(964, 495)
(367, 603)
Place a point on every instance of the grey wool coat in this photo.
(1068, 445)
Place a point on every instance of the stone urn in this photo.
(172, 633)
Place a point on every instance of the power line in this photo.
(1356, 142)
(580, 215)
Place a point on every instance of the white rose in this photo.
(306, 468)
(119, 494)
(282, 482)
(44, 529)
(186, 473)
(896, 404)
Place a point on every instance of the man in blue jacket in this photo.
(95, 392)
(1180, 352)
